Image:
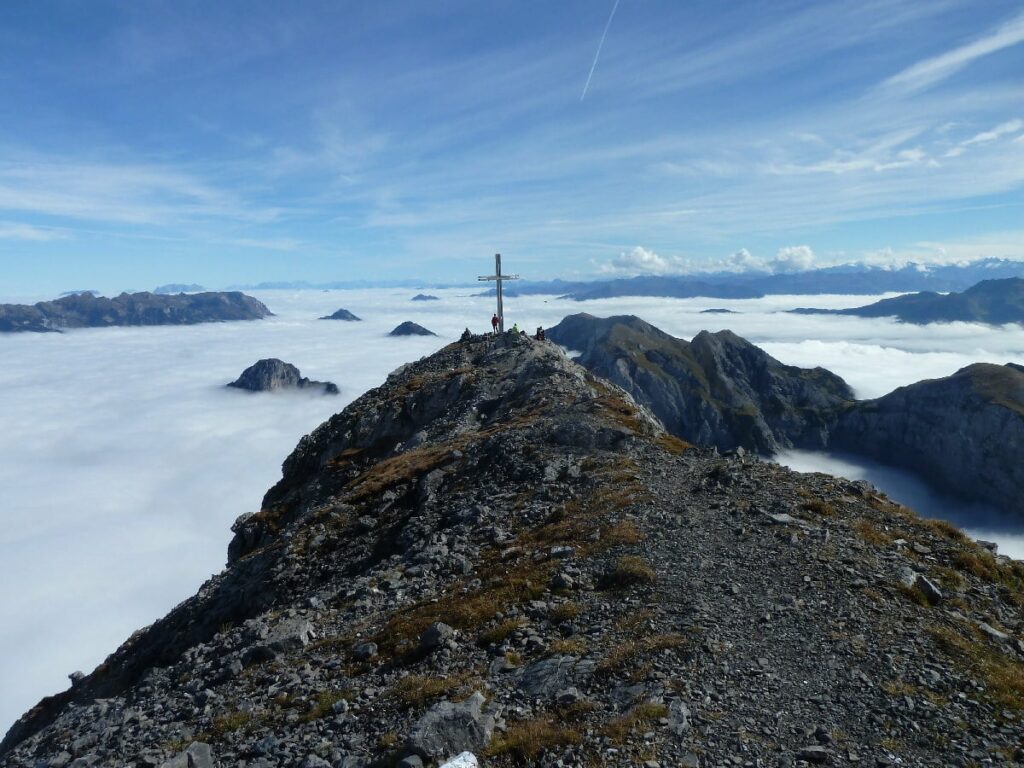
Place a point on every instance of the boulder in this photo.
(448, 729)
(196, 755)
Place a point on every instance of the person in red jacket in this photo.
(494, 323)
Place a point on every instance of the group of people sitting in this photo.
(539, 335)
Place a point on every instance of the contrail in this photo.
(599, 45)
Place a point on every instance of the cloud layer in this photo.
(124, 461)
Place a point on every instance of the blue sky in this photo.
(145, 142)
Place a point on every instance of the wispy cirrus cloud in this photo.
(933, 70)
(13, 230)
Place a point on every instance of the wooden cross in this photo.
(499, 279)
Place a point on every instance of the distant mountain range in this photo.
(178, 288)
(991, 301)
(846, 279)
(963, 433)
(85, 310)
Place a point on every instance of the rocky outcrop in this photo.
(341, 314)
(273, 375)
(409, 328)
(963, 433)
(498, 551)
(994, 302)
(87, 311)
(716, 390)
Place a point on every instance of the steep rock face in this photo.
(963, 433)
(497, 551)
(716, 390)
(272, 375)
(84, 310)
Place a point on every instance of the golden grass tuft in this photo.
(618, 729)
(499, 633)
(870, 533)
(629, 571)
(526, 740)
(1003, 676)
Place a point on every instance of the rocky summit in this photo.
(717, 389)
(498, 552)
(409, 328)
(272, 375)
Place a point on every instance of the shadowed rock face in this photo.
(963, 433)
(409, 328)
(84, 310)
(991, 301)
(341, 314)
(716, 390)
(495, 519)
(272, 375)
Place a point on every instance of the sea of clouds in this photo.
(124, 459)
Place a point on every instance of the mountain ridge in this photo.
(496, 550)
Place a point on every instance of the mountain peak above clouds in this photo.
(498, 551)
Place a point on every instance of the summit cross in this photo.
(499, 279)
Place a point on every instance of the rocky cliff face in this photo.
(84, 310)
(716, 390)
(497, 551)
(963, 433)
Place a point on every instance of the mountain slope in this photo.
(991, 301)
(963, 433)
(497, 551)
(716, 390)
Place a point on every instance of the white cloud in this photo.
(12, 230)
(937, 68)
(640, 260)
(796, 258)
(1010, 126)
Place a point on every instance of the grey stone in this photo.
(448, 728)
(437, 635)
(365, 651)
(196, 755)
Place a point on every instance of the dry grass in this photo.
(572, 646)
(465, 611)
(564, 612)
(946, 530)
(914, 595)
(622, 532)
(324, 703)
(526, 740)
(629, 571)
(499, 633)
(819, 507)
(626, 651)
(619, 729)
(414, 691)
(870, 533)
(1003, 676)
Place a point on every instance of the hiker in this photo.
(515, 328)
(540, 333)
(494, 323)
